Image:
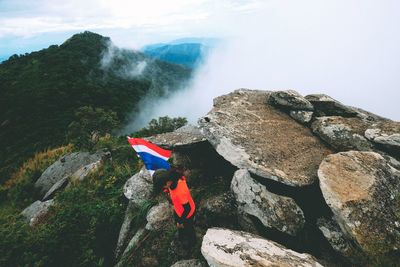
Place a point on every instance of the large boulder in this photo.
(185, 136)
(279, 212)
(68, 166)
(363, 191)
(290, 100)
(227, 248)
(158, 216)
(342, 133)
(139, 187)
(36, 211)
(253, 135)
(325, 105)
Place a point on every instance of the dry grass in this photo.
(39, 162)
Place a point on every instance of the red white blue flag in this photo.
(153, 157)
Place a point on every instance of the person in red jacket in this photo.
(173, 184)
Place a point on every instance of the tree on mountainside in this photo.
(89, 124)
(162, 125)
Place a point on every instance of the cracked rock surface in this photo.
(253, 135)
(363, 191)
(275, 211)
(185, 136)
(139, 187)
(227, 248)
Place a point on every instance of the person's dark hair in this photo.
(162, 176)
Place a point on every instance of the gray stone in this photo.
(275, 211)
(65, 167)
(325, 105)
(386, 134)
(139, 187)
(189, 263)
(186, 136)
(363, 191)
(332, 232)
(125, 228)
(84, 171)
(342, 133)
(36, 211)
(57, 187)
(290, 100)
(255, 136)
(158, 216)
(227, 248)
(301, 116)
(133, 243)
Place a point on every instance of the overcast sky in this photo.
(348, 49)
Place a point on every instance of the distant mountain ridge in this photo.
(41, 91)
(189, 52)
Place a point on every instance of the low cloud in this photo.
(348, 50)
(130, 69)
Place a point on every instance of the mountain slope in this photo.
(187, 54)
(41, 91)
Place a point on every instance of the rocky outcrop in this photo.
(325, 105)
(225, 248)
(139, 187)
(301, 116)
(363, 191)
(70, 165)
(255, 136)
(290, 100)
(158, 216)
(189, 263)
(386, 134)
(185, 136)
(275, 211)
(36, 211)
(342, 133)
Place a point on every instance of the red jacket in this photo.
(181, 196)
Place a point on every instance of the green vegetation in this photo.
(42, 92)
(82, 227)
(89, 124)
(162, 125)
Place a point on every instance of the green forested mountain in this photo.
(41, 91)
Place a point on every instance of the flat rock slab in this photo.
(363, 191)
(185, 136)
(274, 211)
(227, 248)
(253, 135)
(342, 133)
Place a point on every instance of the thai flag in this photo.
(154, 157)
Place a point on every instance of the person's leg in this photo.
(189, 234)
